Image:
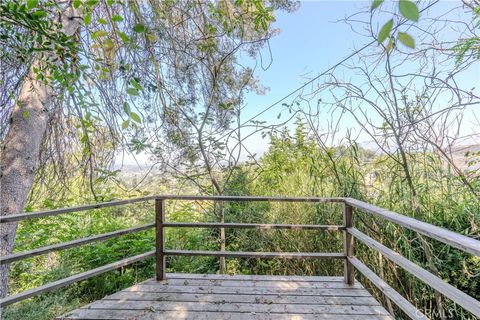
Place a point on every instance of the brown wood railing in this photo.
(351, 263)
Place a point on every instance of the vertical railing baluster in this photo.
(348, 245)
(160, 238)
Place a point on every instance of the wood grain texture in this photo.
(72, 279)
(216, 297)
(408, 308)
(245, 254)
(73, 243)
(428, 278)
(453, 239)
(262, 226)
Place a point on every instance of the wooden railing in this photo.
(351, 263)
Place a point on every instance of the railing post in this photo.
(160, 238)
(348, 245)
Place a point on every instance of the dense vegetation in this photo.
(294, 165)
(86, 82)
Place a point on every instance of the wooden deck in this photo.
(202, 297)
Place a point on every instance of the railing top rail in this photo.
(45, 213)
(251, 198)
(451, 238)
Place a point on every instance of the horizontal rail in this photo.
(251, 199)
(70, 244)
(46, 213)
(253, 226)
(235, 254)
(75, 278)
(408, 308)
(453, 239)
(433, 281)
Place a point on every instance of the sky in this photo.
(311, 40)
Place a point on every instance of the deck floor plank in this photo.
(214, 297)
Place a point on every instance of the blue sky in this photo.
(310, 41)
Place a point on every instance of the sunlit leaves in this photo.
(124, 37)
(99, 33)
(132, 91)
(87, 19)
(135, 117)
(117, 18)
(376, 4)
(385, 31)
(139, 28)
(132, 116)
(409, 10)
(406, 39)
(108, 44)
(31, 4)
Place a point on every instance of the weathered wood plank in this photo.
(90, 314)
(249, 290)
(245, 254)
(228, 307)
(75, 278)
(456, 240)
(243, 277)
(160, 262)
(348, 245)
(261, 226)
(409, 309)
(256, 284)
(74, 243)
(250, 199)
(433, 281)
(46, 213)
(215, 297)
(241, 298)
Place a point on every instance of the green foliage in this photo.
(385, 31)
(464, 46)
(408, 10)
(294, 165)
(406, 39)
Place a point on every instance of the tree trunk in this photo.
(21, 148)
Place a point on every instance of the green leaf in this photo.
(31, 4)
(126, 107)
(376, 4)
(390, 45)
(92, 3)
(76, 4)
(102, 21)
(139, 28)
(26, 114)
(117, 18)
(406, 39)
(385, 31)
(135, 117)
(124, 37)
(99, 33)
(132, 91)
(409, 10)
(87, 19)
(108, 44)
(136, 84)
(125, 124)
(39, 14)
